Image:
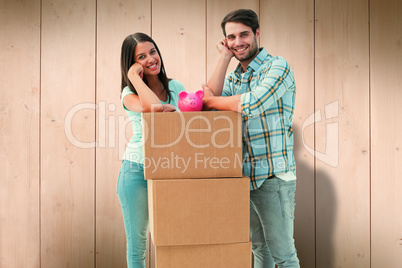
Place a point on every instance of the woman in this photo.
(145, 88)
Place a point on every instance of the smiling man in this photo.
(262, 88)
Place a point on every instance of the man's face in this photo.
(242, 41)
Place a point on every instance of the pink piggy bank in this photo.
(190, 101)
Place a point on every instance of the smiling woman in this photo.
(147, 56)
(145, 87)
(144, 74)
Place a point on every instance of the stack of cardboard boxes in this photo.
(197, 195)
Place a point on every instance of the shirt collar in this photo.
(255, 63)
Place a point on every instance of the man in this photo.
(262, 88)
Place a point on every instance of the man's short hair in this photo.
(246, 16)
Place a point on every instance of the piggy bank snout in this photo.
(193, 103)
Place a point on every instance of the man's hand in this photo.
(208, 94)
(224, 49)
(228, 103)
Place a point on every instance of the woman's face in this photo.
(147, 55)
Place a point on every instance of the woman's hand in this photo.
(136, 69)
(168, 108)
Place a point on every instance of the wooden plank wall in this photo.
(281, 39)
(386, 133)
(342, 91)
(115, 20)
(63, 131)
(19, 133)
(67, 168)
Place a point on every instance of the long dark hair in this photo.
(127, 60)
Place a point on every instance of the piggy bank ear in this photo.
(200, 93)
(182, 94)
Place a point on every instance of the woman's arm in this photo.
(146, 100)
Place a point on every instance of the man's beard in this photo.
(252, 52)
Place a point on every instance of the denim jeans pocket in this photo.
(130, 174)
(288, 203)
(133, 170)
(280, 194)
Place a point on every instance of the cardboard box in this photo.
(192, 145)
(204, 256)
(199, 211)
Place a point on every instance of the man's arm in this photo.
(230, 103)
(276, 82)
(216, 81)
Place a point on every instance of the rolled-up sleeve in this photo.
(226, 87)
(276, 81)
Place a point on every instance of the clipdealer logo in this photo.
(331, 154)
(111, 132)
(112, 129)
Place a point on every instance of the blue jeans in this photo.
(133, 196)
(271, 224)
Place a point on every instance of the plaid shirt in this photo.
(267, 100)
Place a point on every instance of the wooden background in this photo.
(63, 131)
